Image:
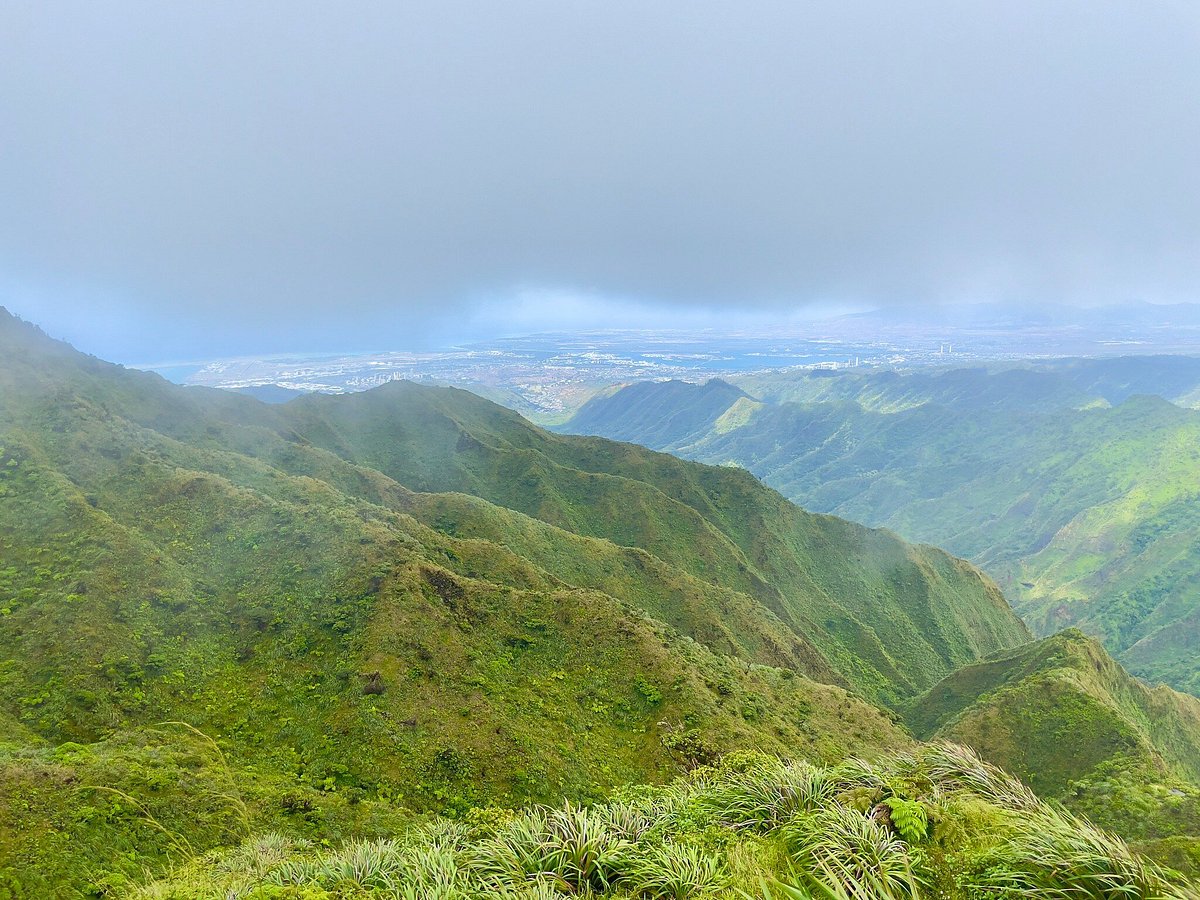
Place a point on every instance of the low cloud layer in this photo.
(198, 179)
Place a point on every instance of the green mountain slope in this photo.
(327, 618)
(1045, 385)
(409, 599)
(1086, 516)
(1064, 716)
(655, 413)
(891, 391)
(827, 579)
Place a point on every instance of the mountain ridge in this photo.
(350, 649)
(328, 617)
(1082, 513)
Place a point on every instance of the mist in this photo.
(196, 181)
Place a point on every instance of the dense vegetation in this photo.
(1064, 717)
(935, 823)
(1063, 481)
(354, 635)
(596, 615)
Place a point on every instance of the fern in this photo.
(759, 829)
(908, 818)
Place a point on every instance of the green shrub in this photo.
(1059, 857)
(673, 872)
(937, 823)
(766, 796)
(852, 847)
(908, 818)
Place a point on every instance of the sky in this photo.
(194, 180)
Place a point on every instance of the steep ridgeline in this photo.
(1086, 514)
(1067, 719)
(404, 598)
(886, 616)
(1045, 385)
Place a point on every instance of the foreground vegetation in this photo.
(1063, 716)
(355, 622)
(935, 823)
(412, 600)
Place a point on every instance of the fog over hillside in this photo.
(535, 451)
(211, 180)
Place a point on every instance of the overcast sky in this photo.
(183, 180)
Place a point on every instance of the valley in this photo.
(1071, 482)
(599, 451)
(334, 618)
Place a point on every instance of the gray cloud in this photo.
(219, 177)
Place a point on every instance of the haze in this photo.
(185, 181)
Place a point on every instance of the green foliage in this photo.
(852, 846)
(688, 746)
(767, 794)
(1058, 858)
(673, 871)
(674, 843)
(825, 884)
(908, 818)
(412, 602)
(1056, 478)
(648, 692)
(572, 848)
(1070, 722)
(353, 648)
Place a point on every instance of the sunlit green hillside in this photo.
(337, 647)
(1084, 511)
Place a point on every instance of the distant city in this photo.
(547, 376)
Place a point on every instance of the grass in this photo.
(676, 841)
(561, 618)
(414, 604)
